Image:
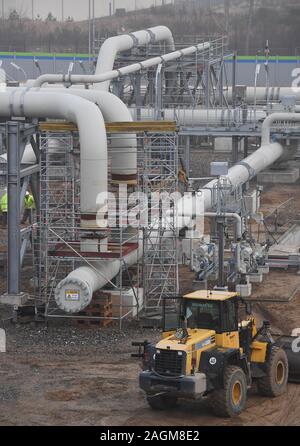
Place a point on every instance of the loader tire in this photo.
(277, 371)
(161, 401)
(230, 400)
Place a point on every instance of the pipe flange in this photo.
(73, 295)
(134, 38)
(252, 172)
(152, 36)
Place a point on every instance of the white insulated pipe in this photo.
(236, 217)
(196, 117)
(114, 45)
(84, 281)
(264, 94)
(243, 171)
(239, 174)
(92, 134)
(124, 148)
(272, 119)
(101, 79)
(27, 158)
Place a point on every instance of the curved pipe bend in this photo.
(107, 55)
(124, 148)
(276, 117)
(92, 134)
(105, 77)
(112, 46)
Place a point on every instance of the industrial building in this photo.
(147, 177)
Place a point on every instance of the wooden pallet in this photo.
(100, 307)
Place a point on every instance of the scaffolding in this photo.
(195, 81)
(159, 180)
(59, 236)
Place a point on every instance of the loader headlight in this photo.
(213, 360)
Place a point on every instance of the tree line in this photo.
(248, 24)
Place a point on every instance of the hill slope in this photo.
(276, 20)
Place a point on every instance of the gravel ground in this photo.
(63, 339)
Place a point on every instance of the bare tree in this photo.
(250, 25)
(227, 14)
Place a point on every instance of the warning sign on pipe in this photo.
(72, 295)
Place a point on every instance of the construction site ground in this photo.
(58, 374)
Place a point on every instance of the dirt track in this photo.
(73, 377)
(104, 392)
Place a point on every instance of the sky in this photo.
(78, 9)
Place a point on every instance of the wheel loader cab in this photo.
(207, 310)
(211, 310)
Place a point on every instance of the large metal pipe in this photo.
(114, 45)
(276, 117)
(84, 281)
(92, 134)
(239, 174)
(262, 94)
(103, 78)
(236, 217)
(243, 171)
(216, 117)
(123, 148)
(14, 209)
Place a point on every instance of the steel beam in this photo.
(13, 193)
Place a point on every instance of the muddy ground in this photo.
(70, 376)
(63, 375)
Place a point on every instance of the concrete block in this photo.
(287, 176)
(244, 290)
(256, 278)
(128, 301)
(264, 269)
(14, 300)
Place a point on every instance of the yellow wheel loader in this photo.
(206, 352)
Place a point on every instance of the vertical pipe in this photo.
(235, 149)
(138, 95)
(234, 59)
(158, 93)
(246, 147)
(13, 193)
(220, 231)
(90, 34)
(221, 82)
(207, 84)
(235, 146)
(188, 155)
(93, 28)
